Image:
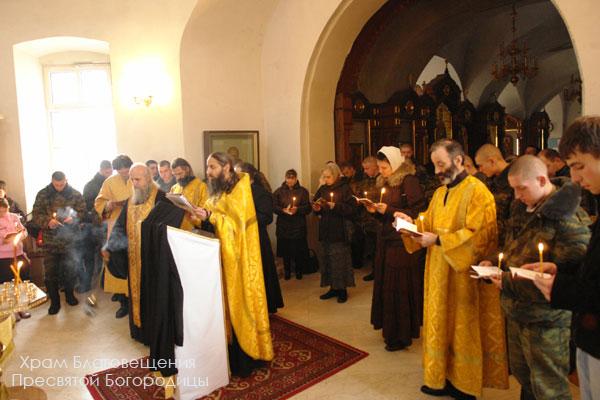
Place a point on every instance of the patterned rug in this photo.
(303, 358)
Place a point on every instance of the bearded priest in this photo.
(230, 210)
(464, 347)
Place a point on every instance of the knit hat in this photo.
(393, 155)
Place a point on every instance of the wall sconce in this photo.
(145, 100)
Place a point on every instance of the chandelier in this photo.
(513, 61)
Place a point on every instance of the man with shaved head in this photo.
(123, 249)
(545, 212)
(495, 168)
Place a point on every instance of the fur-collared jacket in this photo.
(402, 193)
(562, 226)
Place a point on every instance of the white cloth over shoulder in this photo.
(202, 360)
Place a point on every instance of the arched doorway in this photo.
(393, 72)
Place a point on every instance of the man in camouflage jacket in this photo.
(538, 336)
(58, 211)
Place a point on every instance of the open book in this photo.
(364, 200)
(406, 227)
(528, 274)
(180, 201)
(484, 272)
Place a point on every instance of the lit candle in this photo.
(381, 195)
(366, 197)
(15, 244)
(293, 201)
(541, 249)
(422, 220)
(19, 266)
(331, 196)
(54, 216)
(500, 257)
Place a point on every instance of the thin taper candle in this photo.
(381, 195)
(541, 249)
(500, 257)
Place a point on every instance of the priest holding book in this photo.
(463, 330)
(546, 222)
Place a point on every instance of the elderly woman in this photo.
(11, 231)
(334, 205)
(398, 285)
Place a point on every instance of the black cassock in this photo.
(161, 295)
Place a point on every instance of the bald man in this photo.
(538, 335)
(495, 168)
(123, 249)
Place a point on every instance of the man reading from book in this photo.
(545, 212)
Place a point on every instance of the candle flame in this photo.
(365, 194)
(16, 239)
(382, 190)
(541, 247)
(54, 215)
(293, 198)
(500, 256)
(20, 264)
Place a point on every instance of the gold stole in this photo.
(136, 214)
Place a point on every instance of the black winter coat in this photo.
(334, 224)
(291, 226)
(580, 293)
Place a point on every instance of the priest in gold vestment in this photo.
(113, 194)
(230, 210)
(464, 346)
(126, 237)
(194, 190)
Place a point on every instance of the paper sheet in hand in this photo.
(364, 200)
(180, 201)
(485, 272)
(406, 227)
(528, 274)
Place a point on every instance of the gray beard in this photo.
(140, 196)
(448, 176)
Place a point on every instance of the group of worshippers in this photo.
(474, 328)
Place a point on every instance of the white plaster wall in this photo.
(221, 74)
(134, 29)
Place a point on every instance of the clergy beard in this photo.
(448, 176)
(140, 196)
(218, 185)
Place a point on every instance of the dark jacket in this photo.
(67, 203)
(402, 193)
(503, 196)
(562, 226)
(578, 290)
(263, 203)
(291, 226)
(334, 225)
(91, 190)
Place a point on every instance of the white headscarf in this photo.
(393, 155)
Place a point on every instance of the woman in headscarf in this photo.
(398, 285)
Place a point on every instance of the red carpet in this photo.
(303, 358)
